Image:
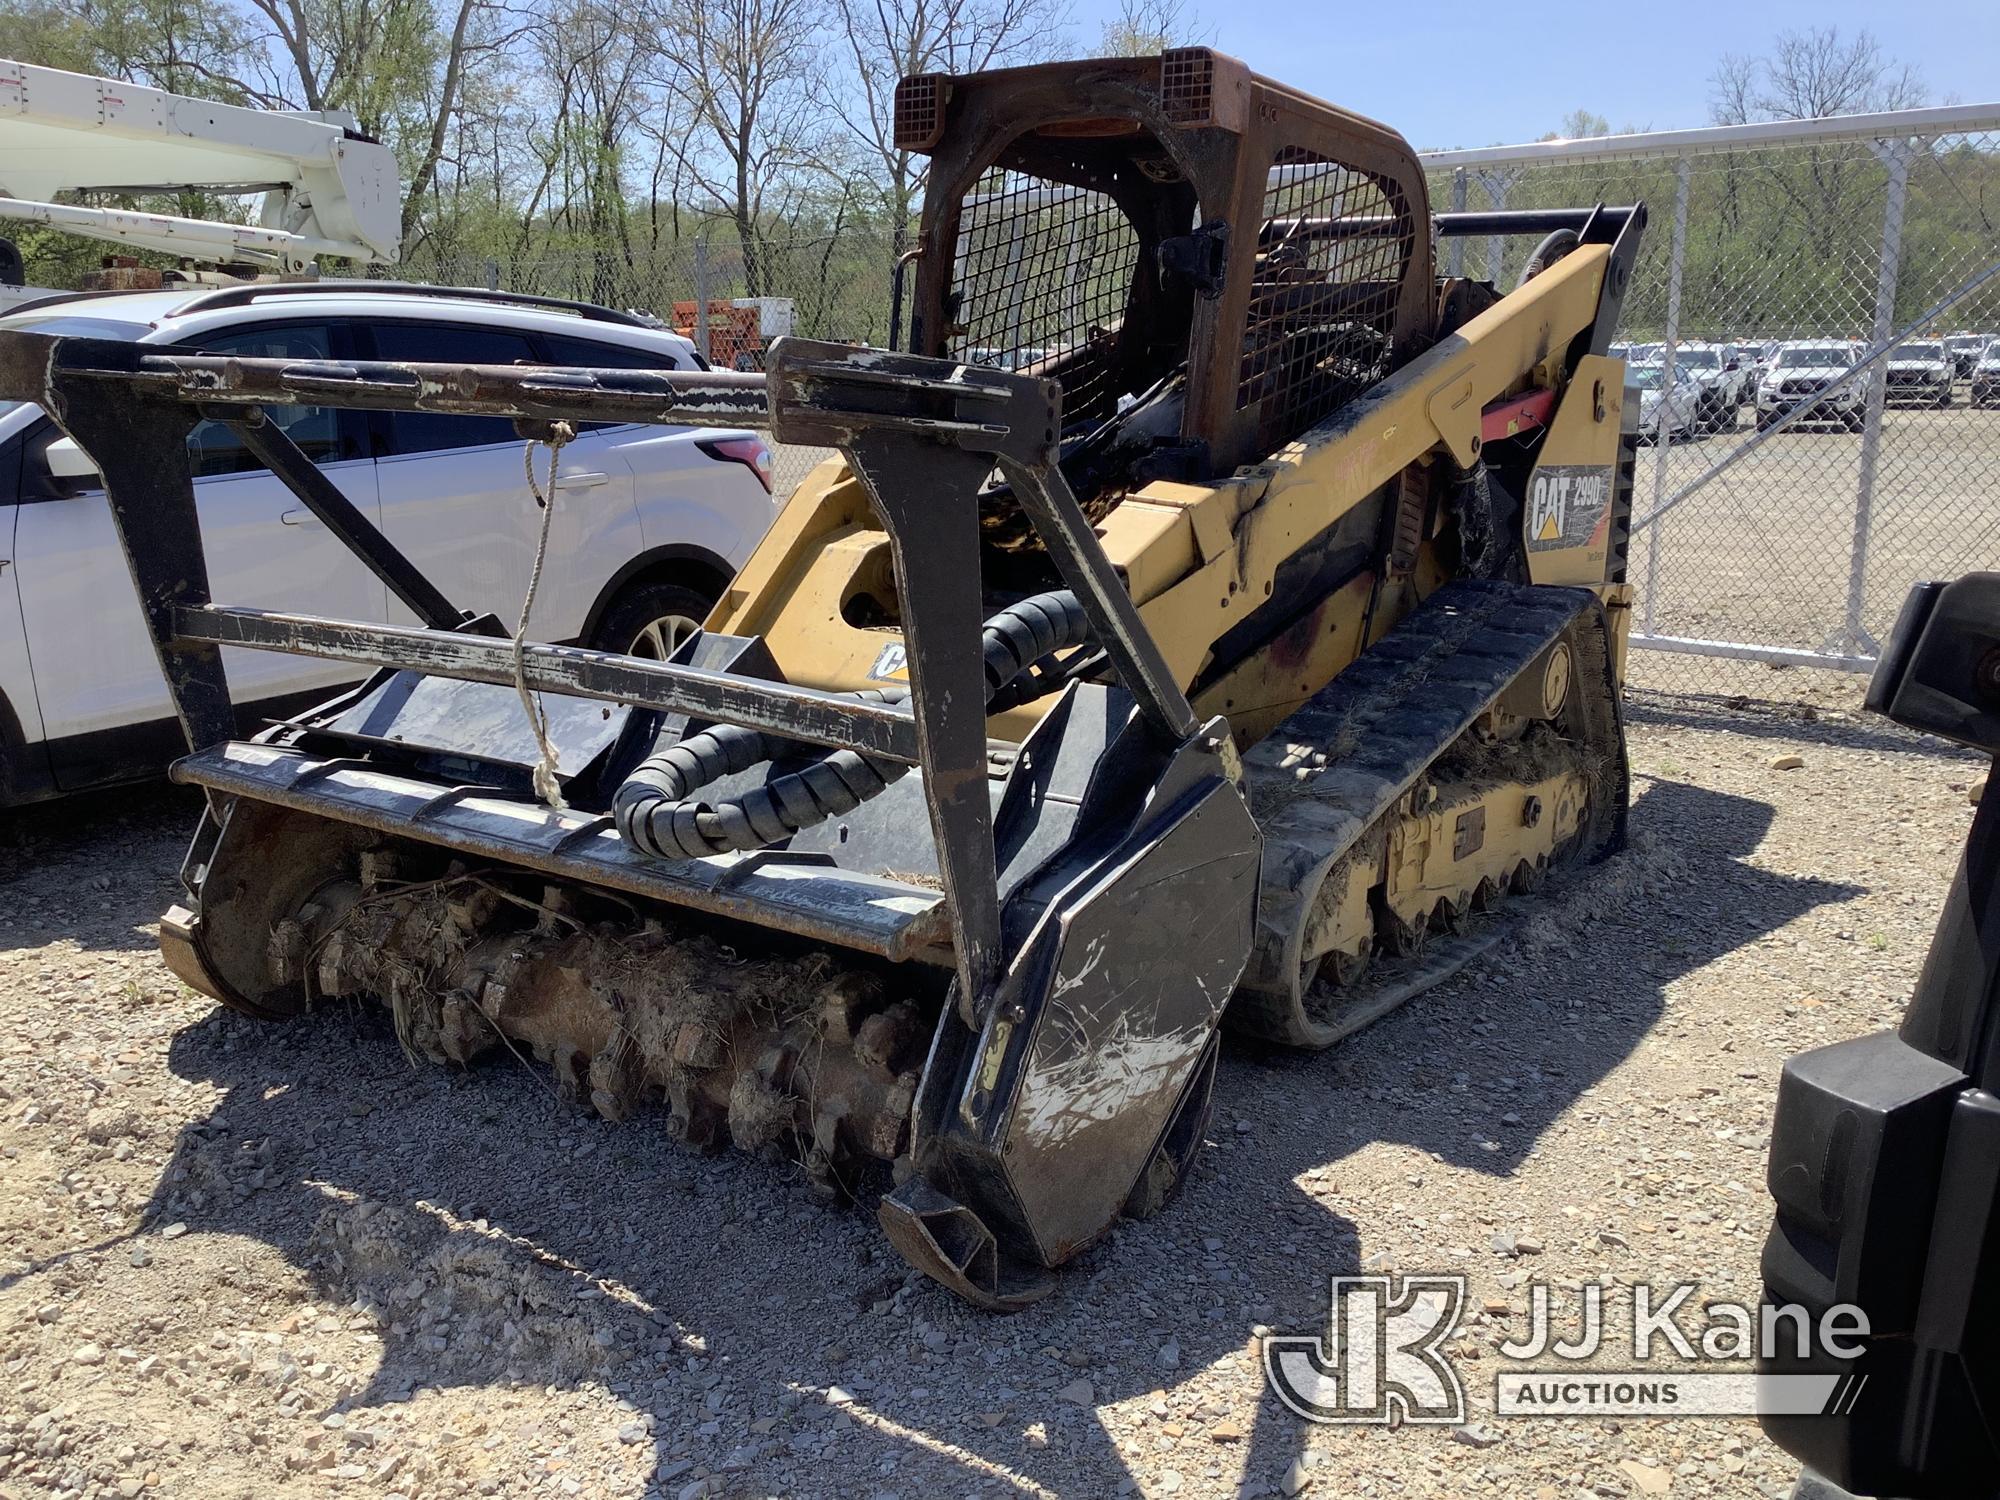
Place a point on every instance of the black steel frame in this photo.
(922, 434)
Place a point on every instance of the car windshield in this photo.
(1918, 351)
(1646, 377)
(1701, 359)
(1813, 359)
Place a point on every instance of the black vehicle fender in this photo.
(676, 562)
(24, 768)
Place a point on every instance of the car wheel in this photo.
(1765, 421)
(1944, 399)
(1855, 421)
(651, 620)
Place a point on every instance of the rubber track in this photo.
(1320, 780)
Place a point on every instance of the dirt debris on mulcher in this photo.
(791, 1054)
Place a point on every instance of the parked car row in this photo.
(650, 522)
(1711, 383)
(1985, 390)
(1718, 375)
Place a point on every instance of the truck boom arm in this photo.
(328, 190)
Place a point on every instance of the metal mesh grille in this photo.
(1330, 262)
(919, 111)
(1042, 273)
(1187, 85)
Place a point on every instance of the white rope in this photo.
(546, 785)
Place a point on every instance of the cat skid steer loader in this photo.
(1214, 616)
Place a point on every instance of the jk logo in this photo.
(1380, 1359)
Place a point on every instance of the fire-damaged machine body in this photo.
(1215, 615)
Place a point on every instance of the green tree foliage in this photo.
(1787, 242)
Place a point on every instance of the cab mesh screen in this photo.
(1331, 256)
(1042, 272)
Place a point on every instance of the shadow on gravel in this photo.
(496, 1235)
(97, 868)
(1790, 723)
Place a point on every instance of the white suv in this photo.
(1807, 373)
(1718, 373)
(650, 522)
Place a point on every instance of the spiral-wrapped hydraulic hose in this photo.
(657, 811)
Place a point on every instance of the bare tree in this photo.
(1579, 124)
(398, 65)
(743, 69)
(661, 124)
(889, 40)
(444, 102)
(602, 53)
(1810, 75)
(1143, 27)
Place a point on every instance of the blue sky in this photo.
(1457, 73)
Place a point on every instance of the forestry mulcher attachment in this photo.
(1214, 617)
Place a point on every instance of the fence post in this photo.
(1853, 639)
(1663, 438)
(1456, 261)
(701, 295)
(1496, 185)
(492, 275)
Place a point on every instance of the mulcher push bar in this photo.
(923, 435)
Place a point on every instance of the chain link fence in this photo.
(1809, 310)
(1807, 320)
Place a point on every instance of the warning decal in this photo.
(892, 664)
(1567, 503)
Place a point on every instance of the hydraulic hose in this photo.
(657, 811)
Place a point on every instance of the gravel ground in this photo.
(1761, 553)
(281, 1261)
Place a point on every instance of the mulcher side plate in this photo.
(1030, 1135)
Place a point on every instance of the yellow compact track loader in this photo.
(1213, 615)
